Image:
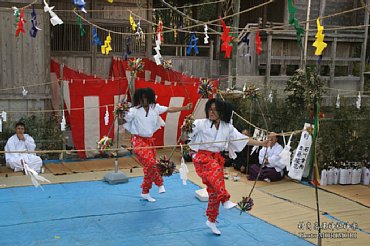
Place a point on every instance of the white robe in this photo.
(13, 160)
(203, 132)
(273, 157)
(139, 122)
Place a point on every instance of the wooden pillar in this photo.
(363, 48)
(148, 37)
(268, 63)
(333, 56)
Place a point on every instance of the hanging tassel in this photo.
(139, 32)
(80, 26)
(63, 123)
(20, 24)
(337, 104)
(24, 92)
(34, 29)
(358, 102)
(54, 20)
(96, 40)
(106, 117)
(106, 48)
(132, 23)
(80, 4)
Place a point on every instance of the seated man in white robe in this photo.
(272, 169)
(21, 142)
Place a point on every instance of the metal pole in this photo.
(61, 66)
(306, 34)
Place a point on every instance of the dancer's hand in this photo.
(189, 106)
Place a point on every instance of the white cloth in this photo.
(272, 157)
(139, 122)
(13, 160)
(205, 131)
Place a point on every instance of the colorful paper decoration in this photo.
(319, 43)
(80, 4)
(63, 123)
(258, 44)
(54, 20)
(132, 23)
(34, 29)
(192, 44)
(206, 34)
(96, 40)
(292, 20)
(20, 24)
(80, 26)
(226, 47)
(110, 1)
(106, 48)
(205, 88)
(127, 51)
(136, 66)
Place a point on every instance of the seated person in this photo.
(272, 169)
(21, 142)
(244, 158)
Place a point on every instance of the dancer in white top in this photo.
(142, 121)
(21, 142)
(217, 134)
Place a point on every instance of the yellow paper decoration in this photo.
(110, 1)
(319, 43)
(106, 48)
(132, 23)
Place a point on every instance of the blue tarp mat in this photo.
(96, 213)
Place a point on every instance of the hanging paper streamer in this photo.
(270, 97)
(35, 177)
(1, 125)
(96, 40)
(226, 47)
(110, 1)
(132, 23)
(245, 46)
(337, 104)
(20, 24)
(4, 116)
(319, 43)
(183, 168)
(34, 29)
(157, 48)
(24, 92)
(206, 34)
(192, 44)
(63, 123)
(258, 44)
(292, 20)
(54, 20)
(106, 48)
(286, 154)
(160, 30)
(139, 32)
(80, 4)
(80, 26)
(358, 101)
(106, 116)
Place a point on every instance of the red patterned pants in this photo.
(147, 157)
(210, 167)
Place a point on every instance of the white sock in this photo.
(148, 197)
(213, 227)
(228, 205)
(161, 189)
